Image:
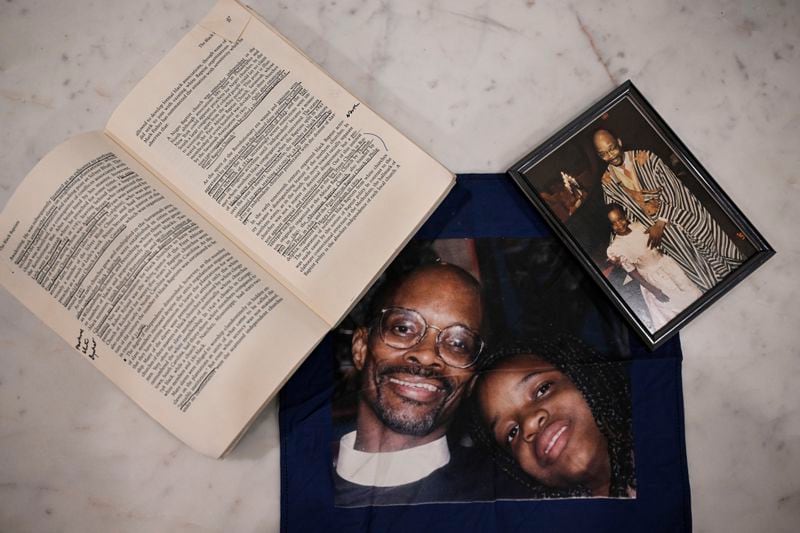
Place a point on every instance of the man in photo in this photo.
(416, 361)
(675, 219)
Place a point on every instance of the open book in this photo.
(237, 205)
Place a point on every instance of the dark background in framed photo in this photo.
(563, 178)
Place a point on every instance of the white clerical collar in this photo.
(389, 469)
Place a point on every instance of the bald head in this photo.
(441, 283)
(608, 147)
(603, 135)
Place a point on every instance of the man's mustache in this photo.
(417, 371)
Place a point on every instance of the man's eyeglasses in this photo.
(608, 153)
(457, 345)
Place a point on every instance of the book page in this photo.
(312, 183)
(151, 294)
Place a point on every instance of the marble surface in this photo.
(476, 84)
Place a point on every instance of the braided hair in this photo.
(604, 385)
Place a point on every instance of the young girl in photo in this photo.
(557, 419)
(666, 289)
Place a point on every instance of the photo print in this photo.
(482, 370)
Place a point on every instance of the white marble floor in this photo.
(476, 84)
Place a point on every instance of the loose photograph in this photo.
(645, 218)
(482, 370)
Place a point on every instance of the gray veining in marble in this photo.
(476, 84)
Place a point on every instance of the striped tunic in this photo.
(692, 237)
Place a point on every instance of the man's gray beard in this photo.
(418, 427)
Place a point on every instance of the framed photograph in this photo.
(647, 221)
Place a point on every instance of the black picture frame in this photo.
(576, 207)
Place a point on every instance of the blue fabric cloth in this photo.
(490, 206)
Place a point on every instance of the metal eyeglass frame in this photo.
(481, 346)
